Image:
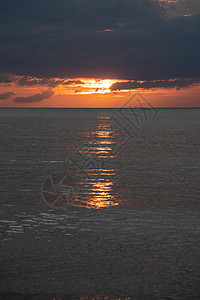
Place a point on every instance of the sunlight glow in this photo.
(88, 86)
(98, 86)
(97, 187)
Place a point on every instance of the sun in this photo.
(101, 86)
(85, 86)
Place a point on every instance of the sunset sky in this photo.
(98, 53)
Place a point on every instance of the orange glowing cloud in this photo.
(89, 92)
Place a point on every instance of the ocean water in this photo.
(99, 204)
(100, 157)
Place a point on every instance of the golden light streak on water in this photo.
(96, 189)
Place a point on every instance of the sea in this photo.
(100, 157)
(99, 203)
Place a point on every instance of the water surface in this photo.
(108, 157)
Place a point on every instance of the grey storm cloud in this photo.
(27, 81)
(181, 7)
(125, 39)
(6, 95)
(35, 98)
(7, 78)
(167, 84)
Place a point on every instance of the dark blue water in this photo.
(100, 157)
(144, 164)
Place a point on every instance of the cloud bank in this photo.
(166, 84)
(6, 95)
(124, 39)
(35, 98)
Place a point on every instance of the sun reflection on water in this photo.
(99, 297)
(97, 186)
(100, 190)
(96, 297)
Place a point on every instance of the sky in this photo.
(99, 53)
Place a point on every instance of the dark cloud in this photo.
(28, 81)
(69, 82)
(181, 7)
(125, 39)
(6, 95)
(35, 98)
(167, 84)
(7, 78)
(31, 81)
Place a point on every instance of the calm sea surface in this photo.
(100, 157)
(140, 166)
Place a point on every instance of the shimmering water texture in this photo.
(100, 204)
(90, 182)
(99, 158)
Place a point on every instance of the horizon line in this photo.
(177, 107)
